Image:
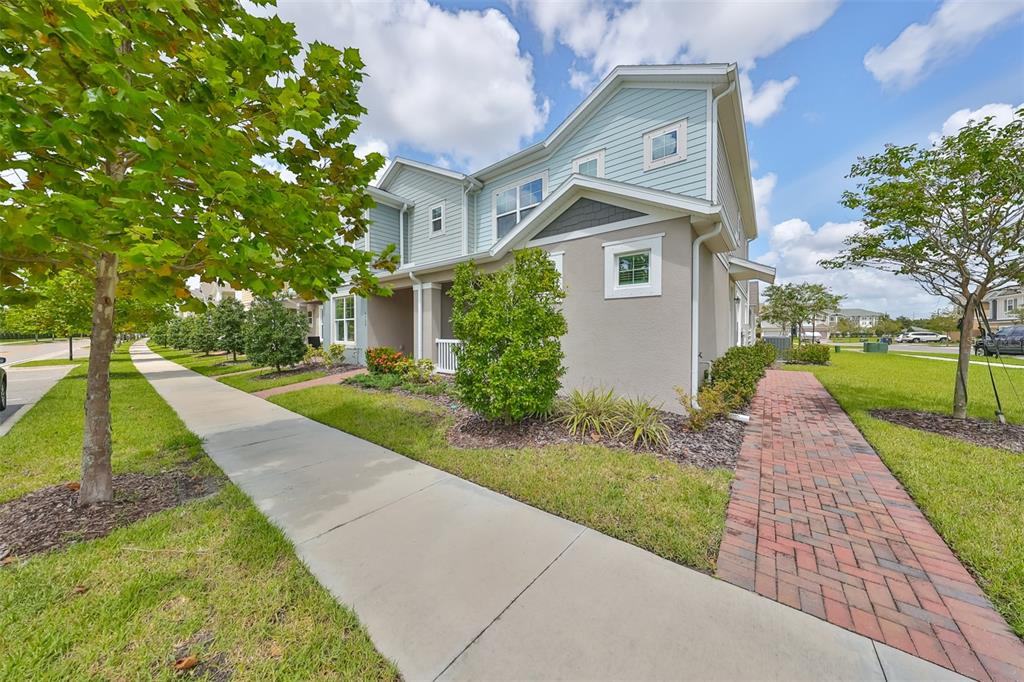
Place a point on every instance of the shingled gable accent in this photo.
(586, 213)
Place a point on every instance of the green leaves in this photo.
(509, 322)
(146, 130)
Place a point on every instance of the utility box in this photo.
(873, 347)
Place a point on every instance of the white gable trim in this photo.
(398, 163)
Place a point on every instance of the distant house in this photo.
(212, 293)
(865, 319)
(1003, 307)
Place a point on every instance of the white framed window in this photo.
(556, 258)
(345, 319)
(632, 267)
(513, 203)
(591, 164)
(437, 219)
(665, 145)
(1010, 305)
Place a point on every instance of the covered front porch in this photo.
(415, 319)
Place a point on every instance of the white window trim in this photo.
(594, 156)
(680, 155)
(543, 177)
(430, 220)
(557, 259)
(612, 250)
(334, 320)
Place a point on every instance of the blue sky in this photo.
(463, 84)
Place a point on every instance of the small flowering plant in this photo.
(384, 360)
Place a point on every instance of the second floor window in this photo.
(437, 219)
(514, 203)
(665, 145)
(591, 164)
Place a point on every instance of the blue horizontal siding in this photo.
(618, 128)
(385, 228)
(426, 190)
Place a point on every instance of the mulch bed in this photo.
(716, 446)
(977, 431)
(334, 369)
(51, 518)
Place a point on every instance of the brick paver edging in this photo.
(298, 386)
(816, 521)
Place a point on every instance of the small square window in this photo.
(634, 268)
(664, 145)
(591, 164)
(437, 219)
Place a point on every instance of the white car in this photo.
(920, 337)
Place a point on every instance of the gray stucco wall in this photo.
(390, 321)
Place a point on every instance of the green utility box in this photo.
(873, 347)
(838, 348)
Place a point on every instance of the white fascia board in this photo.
(387, 198)
(699, 75)
(741, 269)
(398, 162)
(735, 132)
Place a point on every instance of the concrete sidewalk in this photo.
(454, 581)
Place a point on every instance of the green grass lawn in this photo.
(974, 496)
(45, 446)
(215, 364)
(671, 510)
(210, 578)
(52, 362)
(250, 383)
(1007, 359)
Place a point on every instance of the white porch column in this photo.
(430, 329)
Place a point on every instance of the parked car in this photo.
(3, 386)
(920, 337)
(1006, 341)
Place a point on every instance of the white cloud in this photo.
(448, 83)
(653, 31)
(795, 249)
(1001, 115)
(763, 186)
(581, 80)
(957, 26)
(761, 104)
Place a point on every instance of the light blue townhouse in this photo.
(642, 198)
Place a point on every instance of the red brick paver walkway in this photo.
(816, 521)
(298, 386)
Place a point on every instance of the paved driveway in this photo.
(454, 581)
(25, 386)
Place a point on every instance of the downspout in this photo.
(418, 332)
(401, 235)
(695, 267)
(469, 185)
(694, 311)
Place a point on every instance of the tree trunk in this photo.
(71, 348)
(963, 361)
(97, 477)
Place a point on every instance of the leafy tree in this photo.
(178, 333)
(275, 336)
(949, 216)
(228, 320)
(819, 301)
(59, 306)
(846, 327)
(904, 322)
(887, 326)
(509, 322)
(203, 335)
(135, 142)
(784, 305)
(1018, 315)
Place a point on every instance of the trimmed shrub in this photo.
(641, 421)
(177, 333)
(715, 400)
(202, 335)
(159, 334)
(275, 336)
(313, 357)
(417, 371)
(384, 360)
(811, 354)
(590, 412)
(380, 382)
(334, 354)
(509, 322)
(741, 367)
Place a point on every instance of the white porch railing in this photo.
(447, 362)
